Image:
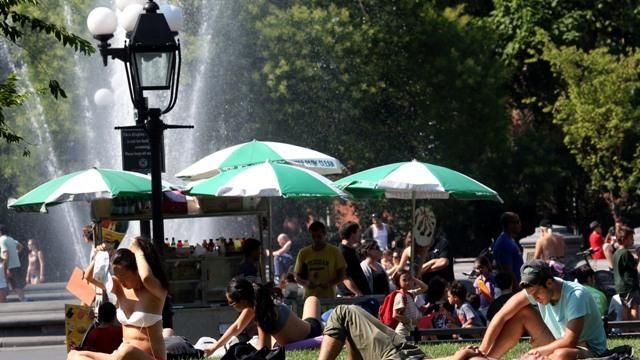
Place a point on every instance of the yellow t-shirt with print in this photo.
(318, 267)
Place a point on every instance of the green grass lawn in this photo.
(448, 348)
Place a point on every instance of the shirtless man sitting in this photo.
(550, 247)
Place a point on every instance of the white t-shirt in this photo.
(381, 236)
(410, 312)
(11, 246)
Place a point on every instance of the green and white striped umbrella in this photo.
(256, 152)
(267, 180)
(415, 180)
(85, 185)
(418, 180)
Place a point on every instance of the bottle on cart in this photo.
(205, 245)
(173, 242)
(186, 243)
(179, 244)
(211, 246)
(166, 242)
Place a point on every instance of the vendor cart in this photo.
(198, 276)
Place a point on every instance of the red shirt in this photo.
(103, 339)
(595, 242)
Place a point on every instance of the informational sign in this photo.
(136, 151)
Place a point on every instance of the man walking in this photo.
(15, 277)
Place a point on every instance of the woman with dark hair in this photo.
(140, 285)
(241, 296)
(275, 320)
(374, 272)
(405, 310)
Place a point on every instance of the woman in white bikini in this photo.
(140, 286)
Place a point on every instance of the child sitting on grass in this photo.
(467, 315)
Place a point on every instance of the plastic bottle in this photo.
(173, 242)
(186, 243)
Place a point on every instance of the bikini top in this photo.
(138, 318)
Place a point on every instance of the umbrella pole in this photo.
(269, 240)
(413, 234)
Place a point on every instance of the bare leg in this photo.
(20, 293)
(330, 348)
(311, 308)
(527, 319)
(565, 354)
(88, 355)
(128, 352)
(352, 352)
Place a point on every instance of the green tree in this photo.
(16, 21)
(542, 171)
(381, 82)
(599, 114)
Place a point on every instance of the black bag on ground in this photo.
(178, 348)
(244, 351)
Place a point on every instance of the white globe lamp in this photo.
(129, 17)
(103, 97)
(102, 21)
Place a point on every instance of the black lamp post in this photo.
(151, 55)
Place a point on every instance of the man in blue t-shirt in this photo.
(563, 323)
(506, 252)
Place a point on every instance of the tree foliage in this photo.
(377, 82)
(15, 23)
(599, 115)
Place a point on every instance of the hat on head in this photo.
(594, 224)
(545, 223)
(534, 272)
(374, 216)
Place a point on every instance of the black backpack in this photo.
(244, 351)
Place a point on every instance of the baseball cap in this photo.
(534, 272)
(594, 224)
(374, 216)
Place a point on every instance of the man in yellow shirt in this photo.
(320, 266)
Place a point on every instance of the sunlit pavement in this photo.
(57, 352)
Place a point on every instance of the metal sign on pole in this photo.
(136, 150)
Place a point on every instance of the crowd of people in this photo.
(507, 296)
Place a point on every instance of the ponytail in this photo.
(266, 315)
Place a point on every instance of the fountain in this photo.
(210, 48)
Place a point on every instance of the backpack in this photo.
(385, 312)
(245, 351)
